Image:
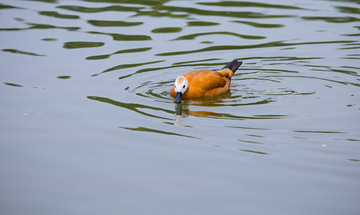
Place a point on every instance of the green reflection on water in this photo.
(47, 1)
(143, 129)
(320, 132)
(175, 65)
(98, 9)
(40, 26)
(98, 57)
(45, 26)
(125, 66)
(142, 2)
(197, 61)
(132, 106)
(256, 152)
(4, 6)
(159, 9)
(49, 39)
(13, 85)
(259, 25)
(202, 23)
(81, 44)
(248, 4)
(240, 14)
(261, 45)
(15, 51)
(123, 37)
(351, 10)
(167, 30)
(192, 36)
(107, 23)
(64, 77)
(156, 13)
(58, 15)
(318, 78)
(343, 19)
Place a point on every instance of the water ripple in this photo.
(15, 51)
(167, 30)
(249, 4)
(126, 66)
(234, 14)
(40, 27)
(98, 9)
(151, 130)
(201, 23)
(141, 2)
(259, 25)
(82, 44)
(262, 45)
(123, 37)
(138, 108)
(343, 19)
(113, 23)
(5, 6)
(58, 15)
(193, 36)
(125, 51)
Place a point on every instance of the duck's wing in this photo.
(207, 79)
(205, 83)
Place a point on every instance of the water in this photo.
(88, 126)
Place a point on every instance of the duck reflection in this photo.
(183, 109)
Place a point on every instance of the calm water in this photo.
(87, 125)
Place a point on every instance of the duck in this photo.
(204, 83)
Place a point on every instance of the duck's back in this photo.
(205, 83)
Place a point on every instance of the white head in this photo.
(181, 85)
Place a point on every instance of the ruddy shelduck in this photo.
(204, 83)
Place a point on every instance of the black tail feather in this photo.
(233, 65)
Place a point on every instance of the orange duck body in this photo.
(204, 83)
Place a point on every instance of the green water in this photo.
(87, 124)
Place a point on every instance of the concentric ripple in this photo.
(250, 87)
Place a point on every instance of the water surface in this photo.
(87, 124)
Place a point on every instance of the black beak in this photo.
(178, 97)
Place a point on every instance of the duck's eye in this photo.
(183, 86)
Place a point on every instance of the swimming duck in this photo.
(204, 83)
